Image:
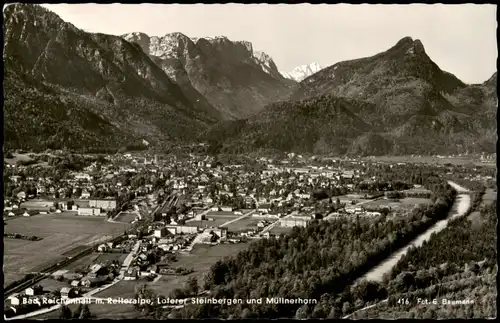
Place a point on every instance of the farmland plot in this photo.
(61, 233)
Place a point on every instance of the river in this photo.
(460, 206)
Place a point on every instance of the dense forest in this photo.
(318, 262)
(461, 270)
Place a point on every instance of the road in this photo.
(272, 225)
(238, 218)
(368, 201)
(128, 261)
(458, 188)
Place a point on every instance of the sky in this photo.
(461, 39)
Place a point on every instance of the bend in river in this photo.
(460, 206)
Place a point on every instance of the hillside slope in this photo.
(94, 80)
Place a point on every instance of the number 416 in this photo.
(403, 301)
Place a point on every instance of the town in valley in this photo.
(97, 226)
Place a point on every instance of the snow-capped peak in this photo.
(265, 62)
(301, 72)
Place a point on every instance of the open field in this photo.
(75, 251)
(280, 230)
(60, 232)
(489, 197)
(246, 223)
(82, 262)
(17, 157)
(431, 160)
(415, 201)
(125, 217)
(38, 203)
(218, 220)
(200, 259)
(406, 203)
(51, 284)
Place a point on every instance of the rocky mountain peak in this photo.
(302, 72)
(408, 46)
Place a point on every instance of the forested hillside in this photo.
(68, 88)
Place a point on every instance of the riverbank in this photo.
(460, 207)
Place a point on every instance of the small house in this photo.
(67, 292)
(103, 248)
(14, 300)
(131, 274)
(35, 290)
(30, 213)
(91, 282)
(264, 208)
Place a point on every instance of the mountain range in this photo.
(64, 87)
(396, 102)
(236, 80)
(301, 72)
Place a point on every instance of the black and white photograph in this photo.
(249, 161)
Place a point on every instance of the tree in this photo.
(301, 312)
(65, 313)
(193, 285)
(334, 313)
(85, 312)
(78, 311)
(346, 308)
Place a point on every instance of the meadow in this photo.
(247, 223)
(200, 259)
(125, 217)
(458, 160)
(406, 203)
(61, 234)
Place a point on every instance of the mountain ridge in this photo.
(213, 65)
(66, 88)
(409, 103)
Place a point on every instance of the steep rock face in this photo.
(103, 75)
(409, 104)
(301, 72)
(234, 79)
